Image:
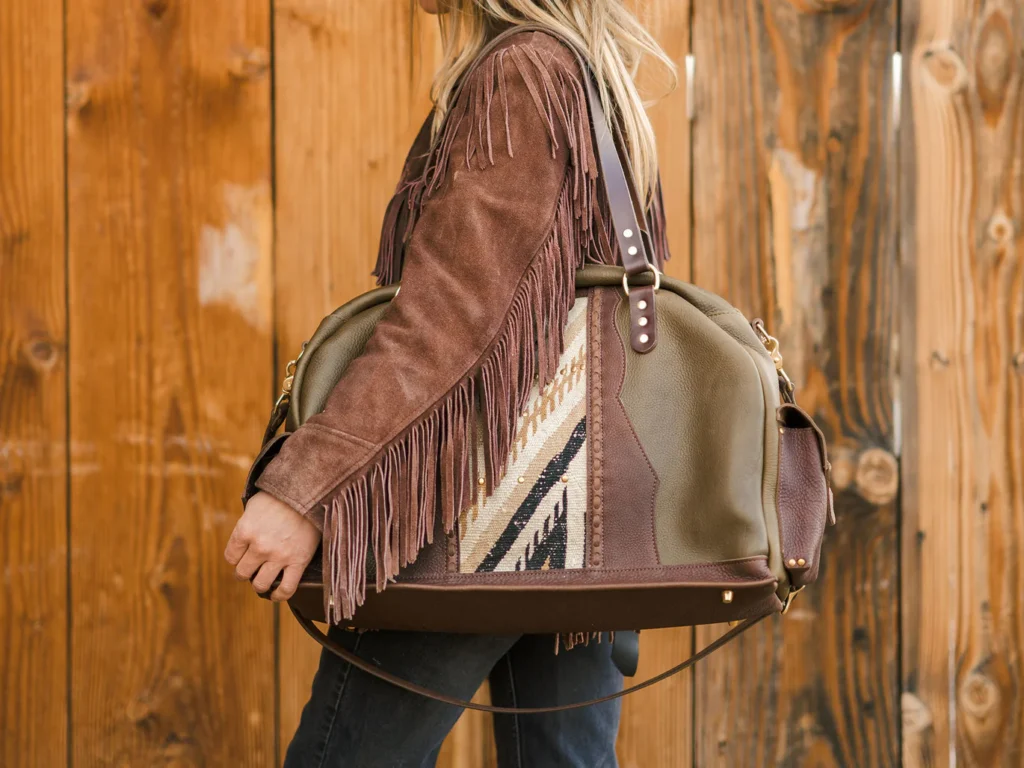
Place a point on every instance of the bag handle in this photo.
(369, 668)
(623, 202)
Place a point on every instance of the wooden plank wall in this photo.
(186, 188)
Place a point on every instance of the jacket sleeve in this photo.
(487, 281)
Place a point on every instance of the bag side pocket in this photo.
(804, 495)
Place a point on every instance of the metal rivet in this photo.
(627, 233)
(641, 305)
(727, 596)
(644, 338)
(801, 561)
(565, 478)
(521, 479)
(643, 321)
(792, 562)
(782, 431)
(632, 250)
(482, 480)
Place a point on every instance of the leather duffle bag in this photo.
(664, 477)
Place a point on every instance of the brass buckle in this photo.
(650, 268)
(789, 599)
(289, 378)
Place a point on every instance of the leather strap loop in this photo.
(371, 669)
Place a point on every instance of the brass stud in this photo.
(792, 562)
(643, 321)
(727, 596)
(482, 480)
(644, 338)
(782, 431)
(565, 478)
(521, 479)
(641, 305)
(801, 561)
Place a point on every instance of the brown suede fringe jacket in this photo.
(485, 231)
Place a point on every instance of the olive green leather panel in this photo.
(710, 495)
(329, 353)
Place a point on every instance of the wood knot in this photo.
(41, 353)
(1000, 228)
(939, 359)
(844, 466)
(77, 96)
(979, 696)
(945, 67)
(878, 476)
(1018, 362)
(917, 718)
(156, 9)
(249, 64)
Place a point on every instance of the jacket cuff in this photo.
(307, 468)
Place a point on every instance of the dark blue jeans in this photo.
(354, 720)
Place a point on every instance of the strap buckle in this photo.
(650, 268)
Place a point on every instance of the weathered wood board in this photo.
(33, 387)
(962, 242)
(169, 252)
(793, 161)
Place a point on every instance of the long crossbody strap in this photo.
(369, 668)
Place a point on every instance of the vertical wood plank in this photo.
(169, 304)
(33, 386)
(352, 89)
(793, 222)
(963, 353)
(656, 723)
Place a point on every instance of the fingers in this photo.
(236, 547)
(249, 564)
(265, 577)
(289, 583)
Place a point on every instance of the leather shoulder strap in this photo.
(624, 204)
(371, 669)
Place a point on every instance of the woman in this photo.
(498, 205)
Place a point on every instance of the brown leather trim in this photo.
(595, 430)
(574, 606)
(629, 483)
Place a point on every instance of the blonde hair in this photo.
(613, 38)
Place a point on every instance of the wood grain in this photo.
(352, 85)
(33, 387)
(170, 364)
(793, 164)
(963, 354)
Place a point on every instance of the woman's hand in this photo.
(269, 538)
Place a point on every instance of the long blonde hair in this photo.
(613, 38)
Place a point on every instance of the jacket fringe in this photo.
(388, 511)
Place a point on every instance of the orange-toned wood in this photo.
(352, 82)
(794, 221)
(170, 236)
(33, 387)
(962, 239)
